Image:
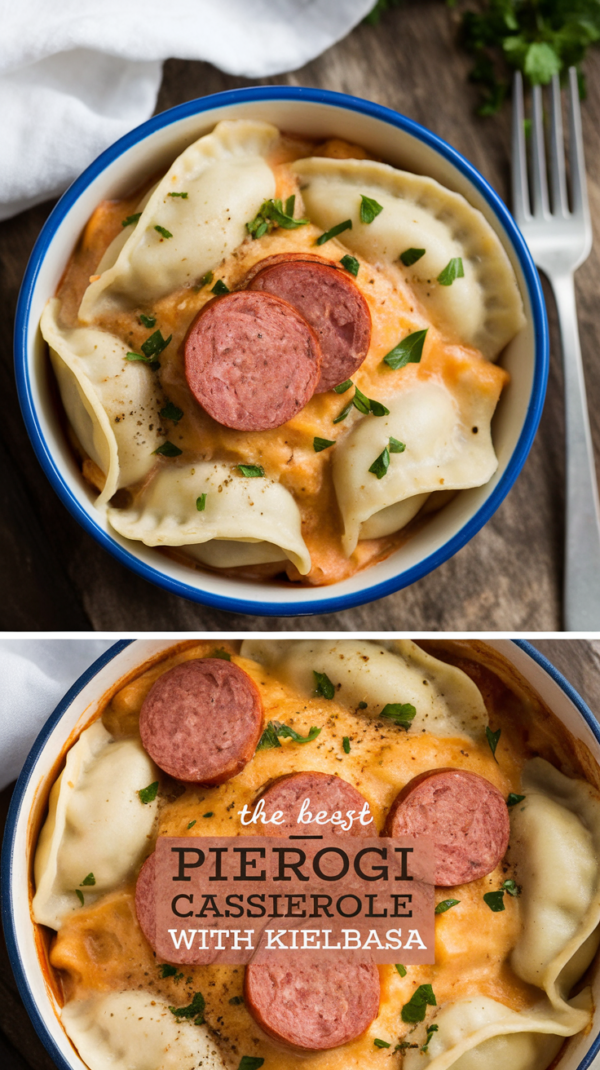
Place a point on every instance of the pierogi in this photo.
(513, 949)
(354, 470)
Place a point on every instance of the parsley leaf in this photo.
(431, 1029)
(147, 321)
(367, 405)
(514, 799)
(369, 209)
(492, 738)
(446, 904)
(250, 1062)
(154, 365)
(410, 256)
(414, 1010)
(251, 471)
(453, 270)
(401, 713)
(194, 1010)
(381, 464)
(148, 795)
(220, 288)
(344, 412)
(80, 896)
(323, 685)
(511, 887)
(168, 449)
(273, 214)
(333, 233)
(164, 233)
(381, 1043)
(346, 744)
(320, 444)
(191, 824)
(236, 1001)
(401, 969)
(351, 264)
(495, 901)
(88, 881)
(154, 345)
(182, 195)
(408, 351)
(224, 655)
(171, 412)
(396, 446)
(131, 219)
(269, 738)
(201, 503)
(210, 813)
(167, 970)
(285, 732)
(341, 388)
(204, 281)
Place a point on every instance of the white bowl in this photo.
(317, 114)
(75, 712)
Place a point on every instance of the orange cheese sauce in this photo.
(101, 947)
(286, 453)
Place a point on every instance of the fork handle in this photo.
(582, 543)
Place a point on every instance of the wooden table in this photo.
(20, 1049)
(509, 577)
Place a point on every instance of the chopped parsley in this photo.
(154, 365)
(454, 270)
(323, 685)
(224, 655)
(275, 731)
(351, 264)
(511, 887)
(381, 464)
(346, 744)
(367, 405)
(131, 219)
(344, 412)
(204, 281)
(209, 813)
(80, 896)
(251, 471)
(396, 446)
(401, 969)
(269, 739)
(169, 971)
(164, 233)
(320, 444)
(333, 233)
(171, 412)
(363, 705)
(88, 881)
(381, 1043)
(414, 1010)
(492, 738)
(194, 1010)
(147, 321)
(191, 824)
(341, 388)
(273, 213)
(446, 904)
(236, 1001)
(495, 901)
(514, 799)
(182, 195)
(201, 503)
(250, 1062)
(369, 209)
(220, 288)
(431, 1029)
(168, 449)
(401, 713)
(148, 795)
(154, 345)
(410, 256)
(408, 351)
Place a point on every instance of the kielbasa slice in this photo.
(145, 898)
(313, 1007)
(201, 721)
(327, 795)
(465, 815)
(252, 361)
(333, 305)
(282, 258)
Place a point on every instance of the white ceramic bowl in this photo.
(318, 114)
(78, 708)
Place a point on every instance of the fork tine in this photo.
(578, 180)
(520, 188)
(557, 152)
(540, 182)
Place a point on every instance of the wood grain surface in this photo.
(54, 576)
(577, 659)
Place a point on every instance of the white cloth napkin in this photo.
(35, 674)
(75, 75)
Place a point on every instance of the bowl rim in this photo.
(285, 606)
(8, 846)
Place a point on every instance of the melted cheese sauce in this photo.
(101, 948)
(286, 453)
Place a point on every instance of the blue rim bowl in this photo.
(318, 113)
(76, 710)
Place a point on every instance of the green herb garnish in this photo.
(224, 655)
(154, 345)
(80, 896)
(167, 970)
(269, 738)
(271, 214)
(401, 969)
(514, 799)
(410, 256)
(495, 901)
(396, 446)
(414, 1010)
(154, 365)
(381, 464)
(453, 270)
(148, 795)
(182, 195)
(236, 1001)
(408, 351)
(171, 412)
(251, 471)
(250, 1062)
(164, 233)
(351, 264)
(131, 219)
(333, 233)
(320, 444)
(209, 813)
(346, 744)
(492, 738)
(381, 1043)
(431, 1029)
(363, 705)
(344, 412)
(220, 288)
(369, 209)
(275, 731)
(361, 402)
(201, 503)
(88, 881)
(194, 1010)
(446, 904)
(168, 449)
(341, 388)
(377, 408)
(401, 713)
(147, 321)
(204, 281)
(511, 887)
(191, 824)
(323, 685)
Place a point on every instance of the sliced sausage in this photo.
(328, 796)
(251, 360)
(145, 899)
(281, 258)
(313, 1007)
(465, 815)
(201, 721)
(333, 305)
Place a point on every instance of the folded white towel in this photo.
(78, 74)
(35, 675)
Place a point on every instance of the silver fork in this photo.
(560, 240)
